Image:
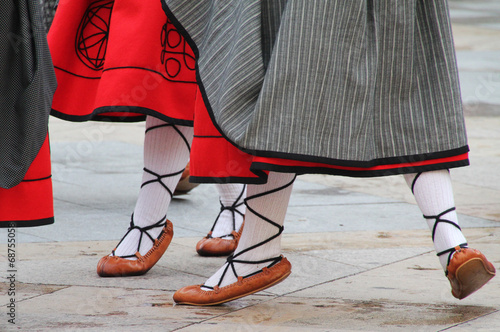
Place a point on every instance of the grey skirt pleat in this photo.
(352, 80)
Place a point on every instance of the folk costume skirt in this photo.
(27, 84)
(120, 61)
(356, 88)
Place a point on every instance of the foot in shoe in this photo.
(278, 270)
(229, 220)
(137, 263)
(223, 239)
(217, 246)
(468, 271)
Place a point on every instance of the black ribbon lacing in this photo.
(162, 222)
(233, 208)
(159, 177)
(273, 260)
(173, 127)
(144, 230)
(437, 219)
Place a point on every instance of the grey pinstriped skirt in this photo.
(353, 81)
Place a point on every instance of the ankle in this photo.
(227, 222)
(238, 268)
(446, 256)
(139, 239)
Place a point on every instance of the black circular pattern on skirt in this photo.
(170, 40)
(92, 35)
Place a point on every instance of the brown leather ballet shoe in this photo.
(116, 266)
(268, 277)
(216, 246)
(184, 186)
(468, 271)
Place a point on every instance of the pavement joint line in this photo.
(94, 286)
(189, 229)
(188, 273)
(42, 238)
(38, 295)
(324, 282)
(269, 297)
(184, 327)
(72, 202)
(470, 320)
(330, 260)
(360, 272)
(350, 204)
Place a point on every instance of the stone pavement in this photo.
(361, 253)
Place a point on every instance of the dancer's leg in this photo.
(261, 237)
(230, 218)
(256, 263)
(226, 230)
(467, 269)
(434, 195)
(166, 153)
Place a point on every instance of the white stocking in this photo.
(166, 154)
(260, 243)
(232, 196)
(434, 195)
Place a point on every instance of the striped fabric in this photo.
(354, 81)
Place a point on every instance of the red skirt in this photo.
(120, 61)
(30, 203)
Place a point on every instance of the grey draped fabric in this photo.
(27, 84)
(355, 80)
(49, 10)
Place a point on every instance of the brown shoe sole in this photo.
(206, 296)
(239, 296)
(470, 276)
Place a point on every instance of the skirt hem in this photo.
(120, 114)
(26, 223)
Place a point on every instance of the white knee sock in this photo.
(233, 209)
(166, 152)
(434, 195)
(272, 206)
